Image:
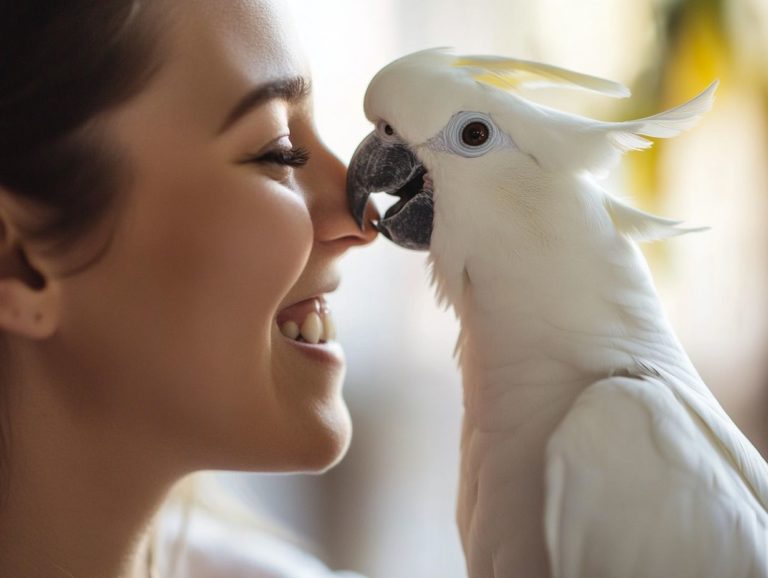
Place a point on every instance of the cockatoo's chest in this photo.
(504, 442)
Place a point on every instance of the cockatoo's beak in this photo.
(391, 167)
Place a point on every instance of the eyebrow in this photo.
(291, 90)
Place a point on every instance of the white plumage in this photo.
(591, 448)
(648, 477)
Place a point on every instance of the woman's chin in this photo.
(329, 446)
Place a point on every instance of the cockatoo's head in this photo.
(433, 107)
(436, 113)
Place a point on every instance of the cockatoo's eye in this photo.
(388, 130)
(475, 134)
(471, 134)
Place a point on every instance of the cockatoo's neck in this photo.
(552, 304)
(581, 316)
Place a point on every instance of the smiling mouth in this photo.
(309, 321)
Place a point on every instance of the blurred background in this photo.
(388, 509)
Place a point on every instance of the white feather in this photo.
(675, 120)
(641, 226)
(643, 484)
(561, 141)
(513, 73)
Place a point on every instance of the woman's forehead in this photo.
(212, 54)
(247, 41)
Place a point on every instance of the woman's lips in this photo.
(309, 321)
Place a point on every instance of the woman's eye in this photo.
(294, 157)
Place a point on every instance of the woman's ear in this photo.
(28, 295)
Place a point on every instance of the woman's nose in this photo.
(325, 181)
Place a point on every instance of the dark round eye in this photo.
(388, 130)
(475, 134)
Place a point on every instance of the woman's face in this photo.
(172, 338)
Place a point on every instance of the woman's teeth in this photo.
(314, 329)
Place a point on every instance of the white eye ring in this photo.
(455, 134)
(386, 132)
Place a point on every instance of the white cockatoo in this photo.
(591, 448)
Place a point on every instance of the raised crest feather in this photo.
(511, 73)
(625, 135)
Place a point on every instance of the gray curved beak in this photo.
(391, 167)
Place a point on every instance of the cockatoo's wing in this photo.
(647, 477)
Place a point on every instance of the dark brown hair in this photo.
(62, 63)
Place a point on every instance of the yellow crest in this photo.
(511, 74)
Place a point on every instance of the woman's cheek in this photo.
(285, 239)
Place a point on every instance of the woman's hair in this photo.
(62, 64)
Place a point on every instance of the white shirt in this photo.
(216, 549)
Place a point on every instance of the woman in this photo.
(169, 225)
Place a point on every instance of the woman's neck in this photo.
(78, 502)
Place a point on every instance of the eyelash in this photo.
(295, 157)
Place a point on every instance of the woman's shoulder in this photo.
(211, 547)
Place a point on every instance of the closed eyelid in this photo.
(281, 142)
